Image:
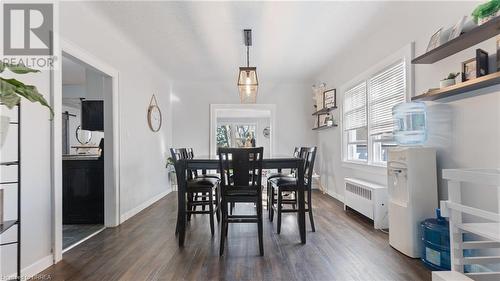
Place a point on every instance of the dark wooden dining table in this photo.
(212, 163)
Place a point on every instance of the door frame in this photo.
(215, 109)
(112, 168)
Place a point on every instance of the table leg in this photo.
(181, 201)
(301, 198)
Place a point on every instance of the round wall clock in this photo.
(154, 115)
(266, 132)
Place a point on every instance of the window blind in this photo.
(386, 90)
(355, 107)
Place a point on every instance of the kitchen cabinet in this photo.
(83, 191)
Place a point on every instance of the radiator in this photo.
(368, 199)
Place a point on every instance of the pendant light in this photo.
(247, 78)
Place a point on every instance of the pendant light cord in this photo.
(248, 56)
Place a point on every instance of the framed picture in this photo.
(498, 53)
(481, 63)
(330, 98)
(435, 40)
(475, 67)
(469, 69)
(457, 28)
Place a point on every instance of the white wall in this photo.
(466, 131)
(142, 153)
(191, 108)
(36, 183)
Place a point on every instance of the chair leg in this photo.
(260, 226)
(271, 215)
(280, 206)
(189, 205)
(203, 198)
(296, 200)
(227, 223)
(268, 193)
(223, 227)
(217, 204)
(309, 206)
(211, 209)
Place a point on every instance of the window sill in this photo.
(365, 167)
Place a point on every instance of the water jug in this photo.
(436, 242)
(410, 123)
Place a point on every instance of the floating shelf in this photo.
(460, 88)
(462, 42)
(11, 163)
(6, 225)
(324, 111)
(324, 127)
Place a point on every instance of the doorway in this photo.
(110, 146)
(83, 91)
(242, 125)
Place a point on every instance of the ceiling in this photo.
(204, 41)
(292, 41)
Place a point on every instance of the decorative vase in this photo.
(446, 83)
(4, 128)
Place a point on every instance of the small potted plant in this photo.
(449, 80)
(171, 172)
(329, 121)
(486, 11)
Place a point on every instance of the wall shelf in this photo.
(324, 111)
(324, 127)
(6, 225)
(460, 88)
(10, 163)
(462, 42)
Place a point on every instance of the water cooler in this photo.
(412, 187)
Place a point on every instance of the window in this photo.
(368, 124)
(236, 135)
(355, 123)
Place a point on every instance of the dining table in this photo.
(182, 166)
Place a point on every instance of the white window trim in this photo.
(407, 53)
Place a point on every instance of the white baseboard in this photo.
(127, 215)
(32, 269)
(336, 196)
(38, 266)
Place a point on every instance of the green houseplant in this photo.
(12, 90)
(449, 80)
(486, 11)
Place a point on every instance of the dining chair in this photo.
(241, 182)
(282, 185)
(280, 173)
(195, 174)
(206, 186)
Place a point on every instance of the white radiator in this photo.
(368, 199)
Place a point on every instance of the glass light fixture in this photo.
(247, 78)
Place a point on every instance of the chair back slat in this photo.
(241, 167)
(183, 154)
(309, 156)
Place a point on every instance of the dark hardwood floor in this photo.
(344, 247)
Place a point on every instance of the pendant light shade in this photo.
(247, 77)
(248, 84)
